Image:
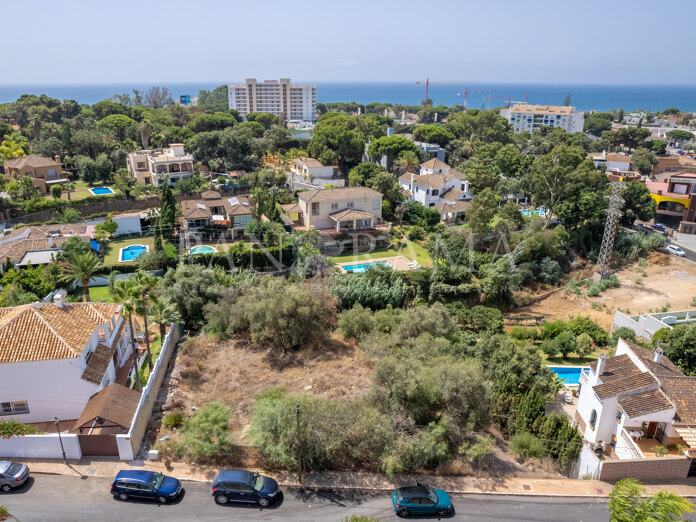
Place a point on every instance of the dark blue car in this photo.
(658, 226)
(137, 483)
(232, 485)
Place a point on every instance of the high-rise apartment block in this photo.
(531, 117)
(288, 101)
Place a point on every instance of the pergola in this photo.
(351, 216)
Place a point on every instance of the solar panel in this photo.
(201, 206)
(233, 201)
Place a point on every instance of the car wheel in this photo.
(221, 499)
(6, 488)
(403, 513)
(442, 512)
(162, 500)
(123, 496)
(263, 502)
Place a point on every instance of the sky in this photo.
(514, 41)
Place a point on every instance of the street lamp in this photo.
(60, 439)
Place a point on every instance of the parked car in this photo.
(421, 499)
(12, 475)
(658, 226)
(675, 250)
(232, 485)
(138, 483)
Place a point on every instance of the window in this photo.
(51, 173)
(334, 206)
(375, 204)
(14, 408)
(435, 192)
(593, 419)
(141, 165)
(619, 414)
(315, 209)
(350, 204)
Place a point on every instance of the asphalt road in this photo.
(61, 498)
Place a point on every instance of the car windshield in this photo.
(13, 469)
(432, 495)
(156, 480)
(257, 482)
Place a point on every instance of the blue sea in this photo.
(583, 97)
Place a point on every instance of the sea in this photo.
(583, 97)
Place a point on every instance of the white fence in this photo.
(129, 443)
(40, 446)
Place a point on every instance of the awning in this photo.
(350, 215)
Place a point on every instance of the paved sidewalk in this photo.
(557, 487)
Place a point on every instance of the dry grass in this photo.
(232, 372)
(669, 279)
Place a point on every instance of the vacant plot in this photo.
(666, 281)
(232, 372)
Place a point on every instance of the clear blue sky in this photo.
(516, 41)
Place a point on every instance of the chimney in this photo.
(50, 242)
(57, 158)
(58, 300)
(600, 365)
(657, 355)
(659, 192)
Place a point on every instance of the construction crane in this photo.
(489, 98)
(428, 82)
(467, 92)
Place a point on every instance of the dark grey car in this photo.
(12, 475)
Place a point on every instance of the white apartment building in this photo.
(148, 167)
(531, 117)
(288, 101)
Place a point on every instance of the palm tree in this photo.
(164, 313)
(69, 187)
(126, 293)
(82, 268)
(35, 122)
(627, 504)
(469, 146)
(27, 187)
(145, 129)
(13, 146)
(145, 283)
(408, 162)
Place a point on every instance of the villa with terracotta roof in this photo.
(438, 186)
(55, 356)
(310, 167)
(676, 205)
(340, 209)
(39, 244)
(213, 210)
(636, 400)
(152, 167)
(44, 172)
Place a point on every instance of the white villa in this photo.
(636, 399)
(55, 356)
(149, 167)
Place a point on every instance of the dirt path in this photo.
(673, 283)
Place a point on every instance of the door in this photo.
(652, 426)
(146, 491)
(103, 445)
(232, 490)
(247, 493)
(660, 432)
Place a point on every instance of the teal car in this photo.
(421, 499)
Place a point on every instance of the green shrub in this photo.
(173, 420)
(660, 451)
(549, 348)
(13, 428)
(565, 342)
(205, 433)
(479, 450)
(526, 445)
(550, 329)
(356, 322)
(623, 332)
(416, 233)
(583, 345)
(580, 324)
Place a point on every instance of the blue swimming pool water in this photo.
(537, 212)
(569, 374)
(363, 267)
(202, 249)
(100, 191)
(132, 252)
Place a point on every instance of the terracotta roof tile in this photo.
(45, 332)
(338, 193)
(624, 385)
(33, 160)
(682, 392)
(434, 164)
(349, 213)
(644, 403)
(98, 363)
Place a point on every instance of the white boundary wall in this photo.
(41, 446)
(129, 443)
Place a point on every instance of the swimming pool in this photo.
(569, 374)
(203, 249)
(363, 267)
(536, 212)
(132, 252)
(101, 191)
